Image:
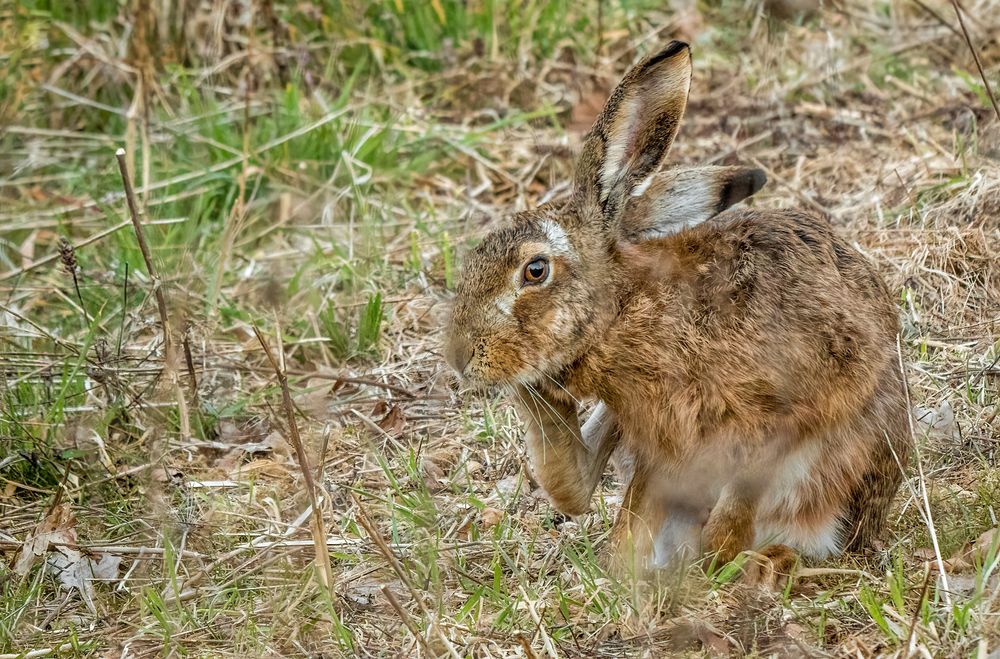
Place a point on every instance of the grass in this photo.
(316, 170)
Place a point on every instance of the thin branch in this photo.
(318, 525)
(407, 620)
(170, 364)
(938, 17)
(397, 567)
(975, 56)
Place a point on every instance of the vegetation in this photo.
(308, 175)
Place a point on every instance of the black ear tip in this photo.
(673, 48)
(743, 183)
(757, 179)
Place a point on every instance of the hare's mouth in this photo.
(485, 383)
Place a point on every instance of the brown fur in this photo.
(747, 361)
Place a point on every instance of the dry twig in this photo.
(318, 525)
(397, 567)
(169, 360)
(975, 56)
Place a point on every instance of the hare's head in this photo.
(540, 289)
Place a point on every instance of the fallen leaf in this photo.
(985, 545)
(507, 487)
(363, 594)
(974, 553)
(969, 583)
(714, 643)
(239, 432)
(55, 537)
(78, 572)
(315, 399)
(379, 408)
(939, 422)
(586, 109)
(367, 594)
(490, 517)
(688, 634)
(241, 444)
(160, 474)
(433, 475)
(58, 528)
(393, 421)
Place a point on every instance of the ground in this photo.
(308, 176)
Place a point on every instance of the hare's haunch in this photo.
(744, 361)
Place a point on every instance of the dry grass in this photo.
(314, 171)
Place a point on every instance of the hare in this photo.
(744, 361)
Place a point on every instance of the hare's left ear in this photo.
(683, 197)
(634, 131)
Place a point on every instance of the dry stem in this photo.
(975, 56)
(170, 364)
(318, 525)
(397, 567)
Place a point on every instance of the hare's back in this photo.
(789, 268)
(775, 315)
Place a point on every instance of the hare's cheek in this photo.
(562, 323)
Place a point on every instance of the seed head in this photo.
(67, 255)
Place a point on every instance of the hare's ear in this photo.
(634, 131)
(682, 197)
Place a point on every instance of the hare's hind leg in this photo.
(803, 505)
(888, 430)
(833, 491)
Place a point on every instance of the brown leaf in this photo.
(687, 634)
(241, 431)
(246, 444)
(490, 517)
(380, 408)
(939, 423)
(433, 474)
(160, 474)
(58, 528)
(315, 401)
(974, 553)
(586, 110)
(393, 421)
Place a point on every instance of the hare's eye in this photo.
(536, 271)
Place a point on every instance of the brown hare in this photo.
(744, 360)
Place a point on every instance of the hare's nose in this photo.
(458, 354)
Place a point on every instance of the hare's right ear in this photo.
(634, 132)
(682, 197)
